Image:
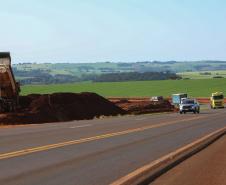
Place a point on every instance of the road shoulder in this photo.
(207, 167)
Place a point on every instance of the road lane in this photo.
(102, 161)
(27, 151)
(28, 137)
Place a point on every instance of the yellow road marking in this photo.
(79, 141)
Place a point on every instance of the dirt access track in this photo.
(144, 106)
(201, 100)
(58, 107)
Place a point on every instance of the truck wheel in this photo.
(181, 112)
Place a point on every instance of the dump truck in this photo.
(217, 100)
(9, 88)
(176, 98)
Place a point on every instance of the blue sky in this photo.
(113, 30)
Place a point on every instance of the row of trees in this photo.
(39, 76)
(44, 77)
(135, 76)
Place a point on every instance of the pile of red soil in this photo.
(142, 107)
(60, 107)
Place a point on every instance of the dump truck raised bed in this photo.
(9, 88)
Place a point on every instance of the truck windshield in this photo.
(218, 97)
(188, 101)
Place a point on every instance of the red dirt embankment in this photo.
(206, 100)
(144, 106)
(60, 107)
(57, 107)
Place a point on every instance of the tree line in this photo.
(44, 77)
(135, 76)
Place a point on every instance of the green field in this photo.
(203, 74)
(196, 88)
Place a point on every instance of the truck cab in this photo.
(217, 100)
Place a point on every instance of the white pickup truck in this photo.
(189, 105)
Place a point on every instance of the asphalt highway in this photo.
(208, 167)
(99, 151)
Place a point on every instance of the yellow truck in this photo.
(217, 100)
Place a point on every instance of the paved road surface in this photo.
(98, 151)
(208, 167)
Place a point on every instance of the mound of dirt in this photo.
(36, 108)
(142, 107)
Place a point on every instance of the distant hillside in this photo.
(34, 73)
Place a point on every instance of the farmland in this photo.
(46, 73)
(203, 74)
(196, 88)
(112, 67)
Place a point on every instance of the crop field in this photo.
(196, 88)
(203, 74)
